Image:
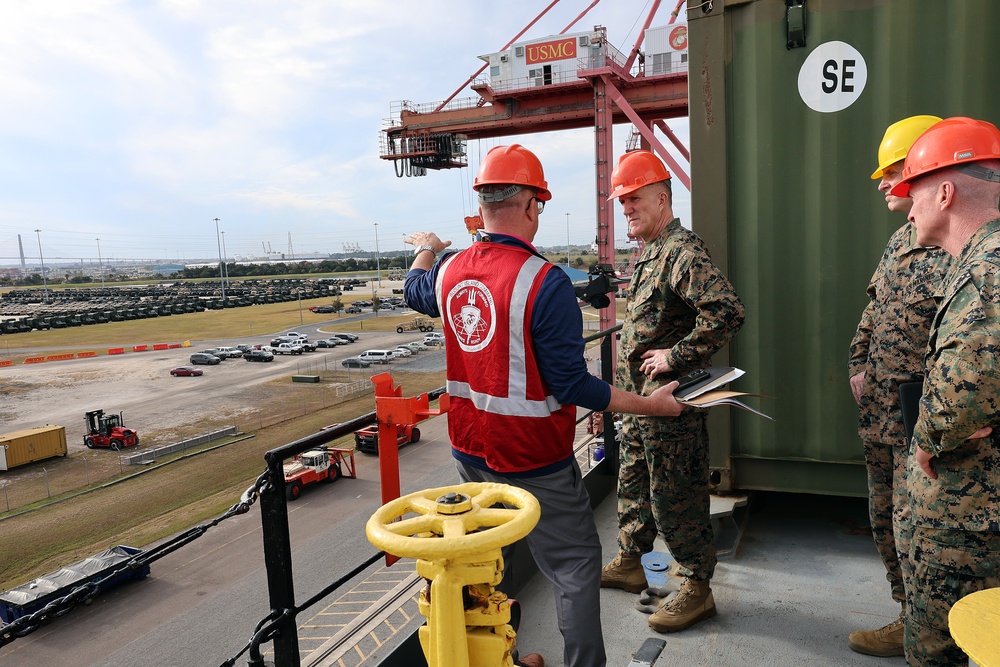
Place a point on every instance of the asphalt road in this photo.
(200, 604)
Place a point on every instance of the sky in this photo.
(127, 127)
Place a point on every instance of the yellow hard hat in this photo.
(898, 139)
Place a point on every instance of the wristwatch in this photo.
(420, 248)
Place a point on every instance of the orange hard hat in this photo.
(953, 141)
(512, 165)
(634, 170)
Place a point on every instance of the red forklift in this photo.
(108, 431)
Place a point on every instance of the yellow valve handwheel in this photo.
(449, 520)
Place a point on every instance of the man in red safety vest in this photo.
(516, 372)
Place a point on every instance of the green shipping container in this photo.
(33, 444)
(788, 103)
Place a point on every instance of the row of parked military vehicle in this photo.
(26, 310)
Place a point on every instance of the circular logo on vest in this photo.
(471, 314)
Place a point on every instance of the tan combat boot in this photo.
(626, 573)
(884, 642)
(693, 603)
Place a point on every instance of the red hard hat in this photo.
(634, 170)
(512, 165)
(952, 141)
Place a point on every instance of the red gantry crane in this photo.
(571, 80)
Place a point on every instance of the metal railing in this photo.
(279, 626)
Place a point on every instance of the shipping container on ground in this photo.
(33, 444)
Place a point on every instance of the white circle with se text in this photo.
(832, 77)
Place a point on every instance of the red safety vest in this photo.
(501, 409)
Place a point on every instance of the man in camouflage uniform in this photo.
(681, 310)
(888, 349)
(952, 173)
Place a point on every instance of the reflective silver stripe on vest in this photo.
(511, 407)
(516, 404)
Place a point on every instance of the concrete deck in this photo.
(803, 575)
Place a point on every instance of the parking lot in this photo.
(158, 405)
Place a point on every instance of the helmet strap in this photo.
(980, 172)
(500, 195)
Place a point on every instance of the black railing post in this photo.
(608, 432)
(278, 562)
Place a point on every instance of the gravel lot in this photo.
(161, 407)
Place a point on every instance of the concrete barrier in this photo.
(151, 455)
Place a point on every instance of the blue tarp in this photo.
(28, 598)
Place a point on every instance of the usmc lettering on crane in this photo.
(472, 314)
(549, 51)
(832, 77)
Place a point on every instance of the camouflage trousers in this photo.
(947, 566)
(663, 488)
(889, 510)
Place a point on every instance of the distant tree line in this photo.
(348, 265)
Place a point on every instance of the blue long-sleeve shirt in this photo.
(556, 330)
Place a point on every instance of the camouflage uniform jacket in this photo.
(678, 299)
(960, 396)
(891, 339)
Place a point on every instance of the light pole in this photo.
(225, 259)
(567, 239)
(378, 266)
(405, 269)
(100, 262)
(221, 276)
(45, 283)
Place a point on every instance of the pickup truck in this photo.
(366, 439)
(288, 348)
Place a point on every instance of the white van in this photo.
(377, 356)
